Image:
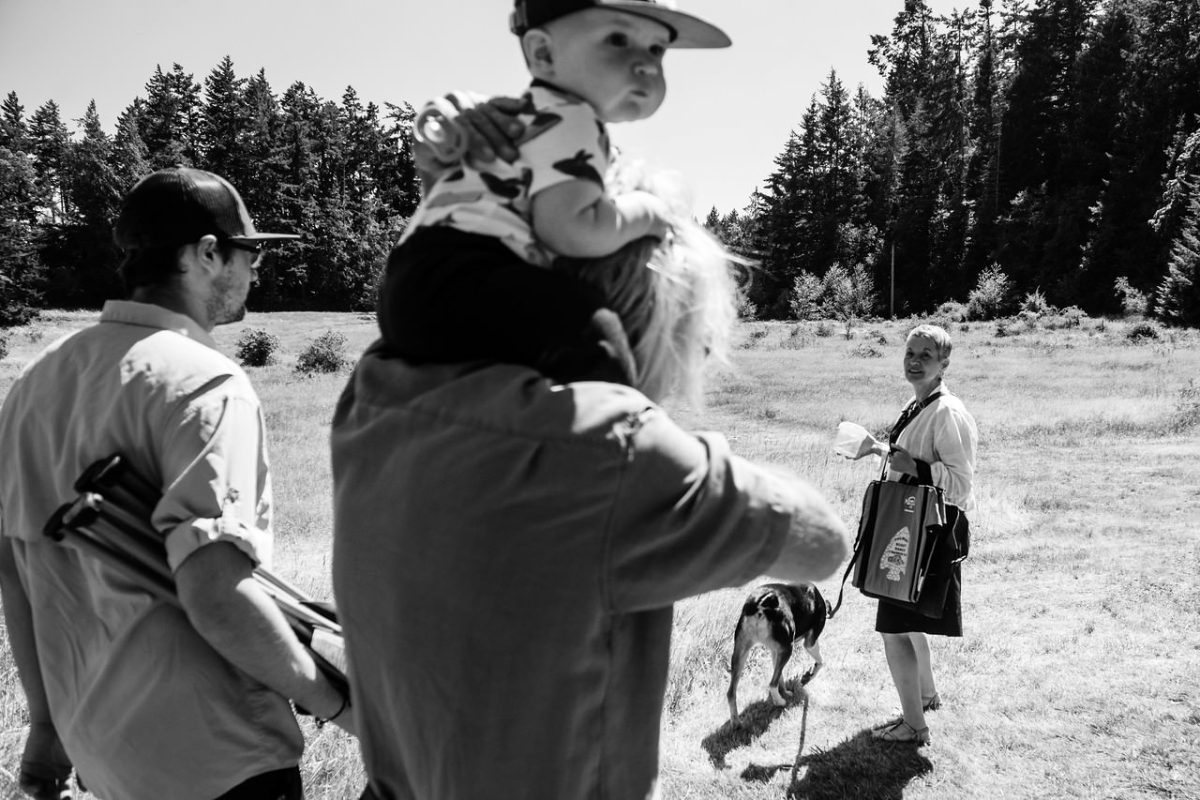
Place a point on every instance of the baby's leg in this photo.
(449, 296)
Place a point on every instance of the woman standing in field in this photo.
(933, 442)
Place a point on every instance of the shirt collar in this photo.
(148, 315)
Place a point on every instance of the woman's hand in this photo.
(902, 461)
(874, 447)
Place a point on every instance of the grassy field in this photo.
(1079, 674)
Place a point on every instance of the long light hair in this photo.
(677, 299)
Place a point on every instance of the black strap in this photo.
(909, 413)
(842, 586)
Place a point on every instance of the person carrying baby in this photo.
(478, 254)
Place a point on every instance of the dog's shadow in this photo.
(752, 722)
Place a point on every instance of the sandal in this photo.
(903, 733)
(932, 704)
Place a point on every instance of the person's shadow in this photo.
(860, 767)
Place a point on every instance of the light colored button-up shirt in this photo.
(145, 708)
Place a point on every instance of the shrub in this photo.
(1002, 329)
(754, 337)
(1069, 317)
(1133, 302)
(746, 308)
(797, 339)
(990, 297)
(1142, 331)
(16, 314)
(849, 294)
(3, 345)
(1035, 303)
(952, 311)
(807, 293)
(1187, 407)
(823, 329)
(864, 350)
(256, 348)
(326, 353)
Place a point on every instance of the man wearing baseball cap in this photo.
(150, 701)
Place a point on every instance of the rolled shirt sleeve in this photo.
(216, 477)
(690, 517)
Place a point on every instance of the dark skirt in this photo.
(894, 618)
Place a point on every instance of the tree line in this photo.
(342, 174)
(1054, 142)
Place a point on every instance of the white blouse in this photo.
(944, 436)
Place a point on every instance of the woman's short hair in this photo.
(677, 299)
(935, 334)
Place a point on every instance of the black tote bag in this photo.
(899, 533)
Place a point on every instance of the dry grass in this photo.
(1079, 675)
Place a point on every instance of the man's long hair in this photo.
(677, 299)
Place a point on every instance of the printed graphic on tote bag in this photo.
(895, 556)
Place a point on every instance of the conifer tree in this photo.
(21, 271)
(48, 143)
(1178, 297)
(13, 132)
(1177, 223)
(170, 121)
(81, 258)
(130, 158)
(223, 122)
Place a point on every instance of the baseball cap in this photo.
(687, 30)
(178, 206)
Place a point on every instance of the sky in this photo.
(727, 115)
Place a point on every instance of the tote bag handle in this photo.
(901, 422)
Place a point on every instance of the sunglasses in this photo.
(257, 249)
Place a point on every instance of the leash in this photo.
(800, 749)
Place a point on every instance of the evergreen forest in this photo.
(1053, 145)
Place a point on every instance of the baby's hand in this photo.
(470, 125)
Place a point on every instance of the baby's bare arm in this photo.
(576, 218)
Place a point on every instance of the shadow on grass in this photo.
(752, 722)
(860, 767)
